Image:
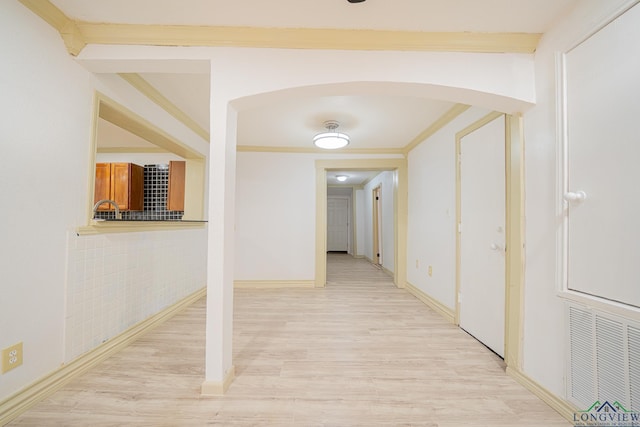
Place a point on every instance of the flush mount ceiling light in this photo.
(331, 139)
(341, 178)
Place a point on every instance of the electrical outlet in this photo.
(11, 357)
(430, 271)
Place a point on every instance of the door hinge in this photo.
(459, 227)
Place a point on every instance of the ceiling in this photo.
(372, 122)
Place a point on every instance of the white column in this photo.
(219, 371)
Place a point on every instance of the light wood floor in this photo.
(359, 352)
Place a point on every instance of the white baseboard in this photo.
(20, 402)
(273, 284)
(435, 305)
(561, 406)
(216, 388)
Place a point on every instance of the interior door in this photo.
(482, 236)
(337, 224)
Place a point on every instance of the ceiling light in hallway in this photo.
(331, 139)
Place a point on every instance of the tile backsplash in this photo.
(156, 188)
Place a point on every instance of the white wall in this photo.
(431, 236)
(46, 106)
(386, 181)
(276, 215)
(46, 110)
(544, 343)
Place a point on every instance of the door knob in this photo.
(494, 247)
(577, 196)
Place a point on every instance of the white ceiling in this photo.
(371, 121)
(528, 16)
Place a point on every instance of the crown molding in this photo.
(306, 150)
(154, 95)
(445, 119)
(48, 12)
(78, 34)
(68, 29)
(132, 150)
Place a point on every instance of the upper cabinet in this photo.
(122, 183)
(175, 196)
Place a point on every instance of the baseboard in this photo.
(20, 402)
(215, 388)
(273, 284)
(386, 270)
(435, 305)
(560, 405)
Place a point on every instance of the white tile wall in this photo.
(117, 280)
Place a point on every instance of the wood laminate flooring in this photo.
(359, 352)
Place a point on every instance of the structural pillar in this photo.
(219, 370)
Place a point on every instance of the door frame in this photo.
(398, 165)
(376, 210)
(514, 229)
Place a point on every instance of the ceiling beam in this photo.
(308, 38)
(78, 34)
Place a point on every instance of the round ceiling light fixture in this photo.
(331, 139)
(341, 178)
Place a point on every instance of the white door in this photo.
(482, 237)
(337, 224)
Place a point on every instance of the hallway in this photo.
(358, 352)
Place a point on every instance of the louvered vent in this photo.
(581, 361)
(610, 352)
(634, 367)
(604, 362)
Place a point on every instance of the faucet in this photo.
(112, 202)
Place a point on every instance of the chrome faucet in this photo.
(112, 202)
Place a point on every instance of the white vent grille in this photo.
(610, 351)
(634, 367)
(582, 365)
(604, 358)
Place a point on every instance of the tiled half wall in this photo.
(117, 280)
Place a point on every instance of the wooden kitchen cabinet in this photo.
(121, 182)
(175, 195)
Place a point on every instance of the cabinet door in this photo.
(136, 187)
(175, 196)
(120, 184)
(102, 188)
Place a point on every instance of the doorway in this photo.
(376, 210)
(398, 208)
(338, 224)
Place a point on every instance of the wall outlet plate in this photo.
(11, 357)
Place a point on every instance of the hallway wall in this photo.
(386, 181)
(431, 236)
(47, 107)
(545, 347)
